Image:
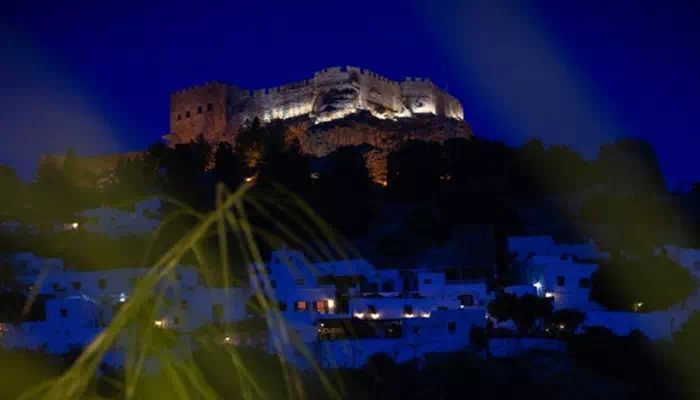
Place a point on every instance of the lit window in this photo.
(300, 306)
(321, 307)
(466, 300)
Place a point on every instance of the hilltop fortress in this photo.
(337, 107)
(217, 110)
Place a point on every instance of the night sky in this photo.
(96, 75)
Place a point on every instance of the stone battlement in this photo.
(217, 110)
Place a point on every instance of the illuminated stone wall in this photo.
(216, 110)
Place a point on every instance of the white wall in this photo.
(420, 336)
(545, 272)
(115, 222)
(116, 282)
(190, 310)
(69, 322)
(393, 307)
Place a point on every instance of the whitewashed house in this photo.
(380, 308)
(71, 323)
(567, 282)
(114, 222)
(189, 310)
(112, 284)
(290, 281)
(402, 341)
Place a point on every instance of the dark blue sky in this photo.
(96, 75)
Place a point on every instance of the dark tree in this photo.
(524, 310)
(282, 162)
(185, 166)
(227, 166)
(414, 171)
(647, 284)
(630, 164)
(343, 194)
(567, 319)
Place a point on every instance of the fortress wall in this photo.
(199, 110)
(332, 93)
(420, 96)
(378, 94)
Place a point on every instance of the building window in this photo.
(466, 300)
(427, 281)
(273, 284)
(217, 312)
(176, 320)
(560, 281)
(371, 309)
(408, 309)
(64, 313)
(210, 106)
(199, 109)
(179, 117)
(387, 286)
(584, 283)
(322, 307)
(451, 327)
(373, 287)
(184, 305)
(76, 285)
(187, 114)
(299, 282)
(102, 283)
(178, 276)
(283, 306)
(300, 306)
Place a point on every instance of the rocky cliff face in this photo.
(383, 136)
